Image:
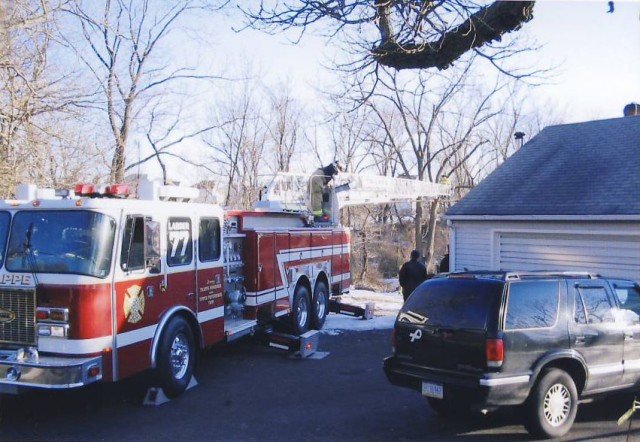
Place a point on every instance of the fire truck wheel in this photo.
(300, 310)
(319, 306)
(176, 357)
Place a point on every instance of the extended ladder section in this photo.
(355, 189)
(291, 192)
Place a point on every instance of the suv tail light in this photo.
(495, 352)
(394, 336)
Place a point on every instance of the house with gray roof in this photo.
(568, 200)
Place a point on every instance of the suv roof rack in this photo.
(514, 275)
(548, 273)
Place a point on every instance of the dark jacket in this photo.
(411, 275)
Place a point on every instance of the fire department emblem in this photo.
(134, 304)
(6, 316)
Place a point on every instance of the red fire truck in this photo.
(98, 286)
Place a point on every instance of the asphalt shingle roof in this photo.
(590, 168)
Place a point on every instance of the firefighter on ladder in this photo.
(318, 188)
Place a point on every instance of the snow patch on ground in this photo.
(385, 311)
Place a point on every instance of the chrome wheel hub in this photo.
(303, 311)
(179, 356)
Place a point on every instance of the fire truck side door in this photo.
(267, 264)
(180, 271)
(139, 300)
(211, 279)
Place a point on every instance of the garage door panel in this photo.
(569, 254)
(611, 255)
(626, 242)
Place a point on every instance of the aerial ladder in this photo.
(289, 192)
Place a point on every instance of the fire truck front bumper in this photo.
(24, 369)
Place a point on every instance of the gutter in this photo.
(449, 218)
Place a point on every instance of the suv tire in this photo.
(552, 406)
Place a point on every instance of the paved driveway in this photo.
(251, 393)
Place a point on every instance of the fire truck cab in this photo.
(98, 286)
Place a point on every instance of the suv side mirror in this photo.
(152, 245)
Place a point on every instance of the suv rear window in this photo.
(455, 303)
(532, 304)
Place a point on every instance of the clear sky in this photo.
(597, 54)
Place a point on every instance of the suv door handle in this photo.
(628, 336)
(586, 337)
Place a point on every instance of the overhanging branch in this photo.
(487, 25)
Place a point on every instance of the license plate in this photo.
(432, 389)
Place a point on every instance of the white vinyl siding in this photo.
(472, 248)
(609, 248)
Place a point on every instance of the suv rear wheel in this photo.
(552, 406)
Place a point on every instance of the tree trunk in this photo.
(364, 256)
(431, 235)
(418, 226)
(117, 165)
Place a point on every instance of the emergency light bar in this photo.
(93, 191)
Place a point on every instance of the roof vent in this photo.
(519, 136)
(631, 110)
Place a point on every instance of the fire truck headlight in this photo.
(56, 331)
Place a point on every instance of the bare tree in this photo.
(286, 127)
(163, 133)
(516, 123)
(237, 143)
(122, 43)
(431, 124)
(403, 34)
(39, 102)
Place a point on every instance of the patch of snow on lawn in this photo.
(386, 308)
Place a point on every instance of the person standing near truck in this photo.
(411, 274)
(317, 187)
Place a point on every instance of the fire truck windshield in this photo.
(5, 220)
(56, 241)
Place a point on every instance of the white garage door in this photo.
(616, 256)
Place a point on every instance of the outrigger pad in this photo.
(155, 395)
(369, 308)
(314, 355)
(308, 346)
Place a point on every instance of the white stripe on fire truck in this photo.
(96, 345)
(339, 278)
(315, 252)
(211, 314)
(73, 346)
(145, 333)
(256, 298)
(135, 336)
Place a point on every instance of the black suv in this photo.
(480, 340)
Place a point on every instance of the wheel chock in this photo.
(155, 395)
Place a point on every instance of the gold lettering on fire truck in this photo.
(134, 304)
(211, 291)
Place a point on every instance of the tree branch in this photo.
(487, 25)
